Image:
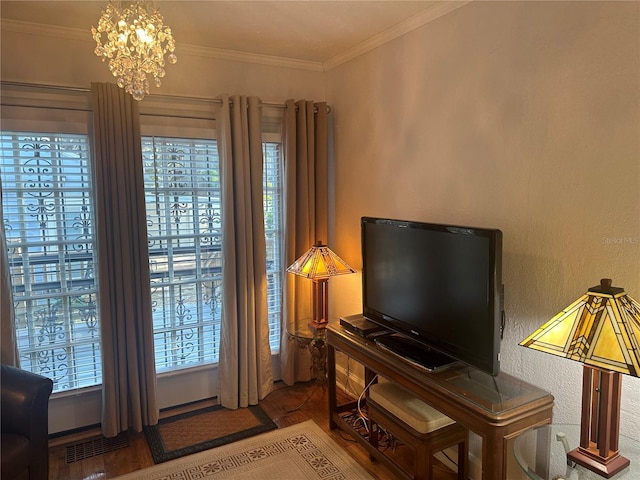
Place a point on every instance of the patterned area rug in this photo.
(302, 451)
(203, 429)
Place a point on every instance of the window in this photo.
(48, 217)
(272, 191)
(182, 186)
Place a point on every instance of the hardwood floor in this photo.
(278, 405)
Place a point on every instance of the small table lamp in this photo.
(601, 330)
(319, 263)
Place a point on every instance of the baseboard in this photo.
(75, 435)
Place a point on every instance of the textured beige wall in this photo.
(524, 116)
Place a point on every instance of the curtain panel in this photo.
(306, 204)
(244, 369)
(129, 375)
(8, 347)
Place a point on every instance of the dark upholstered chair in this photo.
(25, 424)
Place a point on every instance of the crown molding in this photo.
(436, 11)
(77, 34)
(31, 28)
(234, 55)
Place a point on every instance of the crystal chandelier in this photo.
(132, 35)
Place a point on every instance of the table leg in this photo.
(331, 377)
(543, 453)
(493, 457)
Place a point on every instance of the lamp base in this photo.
(606, 467)
(600, 422)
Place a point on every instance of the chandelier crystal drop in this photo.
(133, 37)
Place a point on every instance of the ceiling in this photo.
(311, 31)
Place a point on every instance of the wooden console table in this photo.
(496, 408)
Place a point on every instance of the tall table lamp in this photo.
(601, 330)
(320, 263)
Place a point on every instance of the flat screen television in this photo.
(440, 285)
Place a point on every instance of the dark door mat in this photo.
(210, 427)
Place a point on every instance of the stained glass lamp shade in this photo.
(319, 263)
(601, 330)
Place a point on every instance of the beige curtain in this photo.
(8, 347)
(306, 219)
(244, 370)
(128, 366)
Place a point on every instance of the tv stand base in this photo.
(498, 408)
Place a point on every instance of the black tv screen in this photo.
(438, 284)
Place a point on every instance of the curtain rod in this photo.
(88, 90)
(76, 109)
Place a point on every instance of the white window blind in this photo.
(272, 188)
(48, 218)
(182, 186)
